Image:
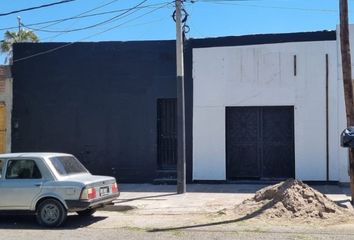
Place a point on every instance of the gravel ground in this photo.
(155, 212)
(100, 227)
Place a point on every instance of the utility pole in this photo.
(19, 24)
(181, 132)
(347, 80)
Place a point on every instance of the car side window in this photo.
(22, 169)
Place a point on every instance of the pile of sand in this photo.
(291, 199)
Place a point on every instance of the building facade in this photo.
(260, 107)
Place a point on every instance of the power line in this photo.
(90, 36)
(233, 2)
(79, 17)
(33, 8)
(88, 11)
(136, 9)
(221, 2)
(91, 26)
(125, 26)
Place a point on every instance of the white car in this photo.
(51, 185)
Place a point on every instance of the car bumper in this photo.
(77, 205)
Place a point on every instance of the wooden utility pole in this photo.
(347, 80)
(19, 24)
(181, 132)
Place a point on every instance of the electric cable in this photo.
(79, 17)
(80, 14)
(34, 8)
(87, 27)
(90, 36)
(233, 2)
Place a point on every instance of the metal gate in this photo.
(166, 134)
(260, 142)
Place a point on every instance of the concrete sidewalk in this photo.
(202, 198)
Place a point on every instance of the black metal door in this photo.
(260, 142)
(242, 139)
(166, 134)
(278, 157)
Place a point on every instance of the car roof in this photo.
(32, 154)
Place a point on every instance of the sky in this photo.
(123, 20)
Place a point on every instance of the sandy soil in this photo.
(293, 201)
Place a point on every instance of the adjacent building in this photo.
(5, 108)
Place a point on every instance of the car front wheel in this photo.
(51, 213)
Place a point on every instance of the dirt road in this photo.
(155, 212)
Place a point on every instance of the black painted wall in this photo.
(95, 100)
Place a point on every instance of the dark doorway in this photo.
(166, 134)
(260, 142)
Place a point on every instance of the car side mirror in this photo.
(347, 138)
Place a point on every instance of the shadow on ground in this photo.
(243, 187)
(345, 203)
(17, 221)
(244, 218)
(118, 208)
(157, 197)
(193, 188)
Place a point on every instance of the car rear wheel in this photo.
(51, 213)
(86, 212)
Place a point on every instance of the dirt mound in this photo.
(291, 199)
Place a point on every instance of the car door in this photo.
(21, 183)
(2, 172)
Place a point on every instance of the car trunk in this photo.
(102, 184)
(92, 180)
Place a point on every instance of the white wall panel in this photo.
(263, 75)
(209, 146)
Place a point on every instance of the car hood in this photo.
(91, 180)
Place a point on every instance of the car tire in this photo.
(86, 212)
(51, 213)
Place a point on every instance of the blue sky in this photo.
(152, 20)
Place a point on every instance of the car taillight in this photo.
(91, 193)
(114, 188)
(88, 193)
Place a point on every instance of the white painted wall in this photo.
(263, 75)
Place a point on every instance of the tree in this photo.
(347, 80)
(23, 35)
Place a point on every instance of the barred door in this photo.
(166, 134)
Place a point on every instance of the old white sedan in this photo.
(51, 185)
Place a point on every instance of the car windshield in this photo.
(67, 165)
